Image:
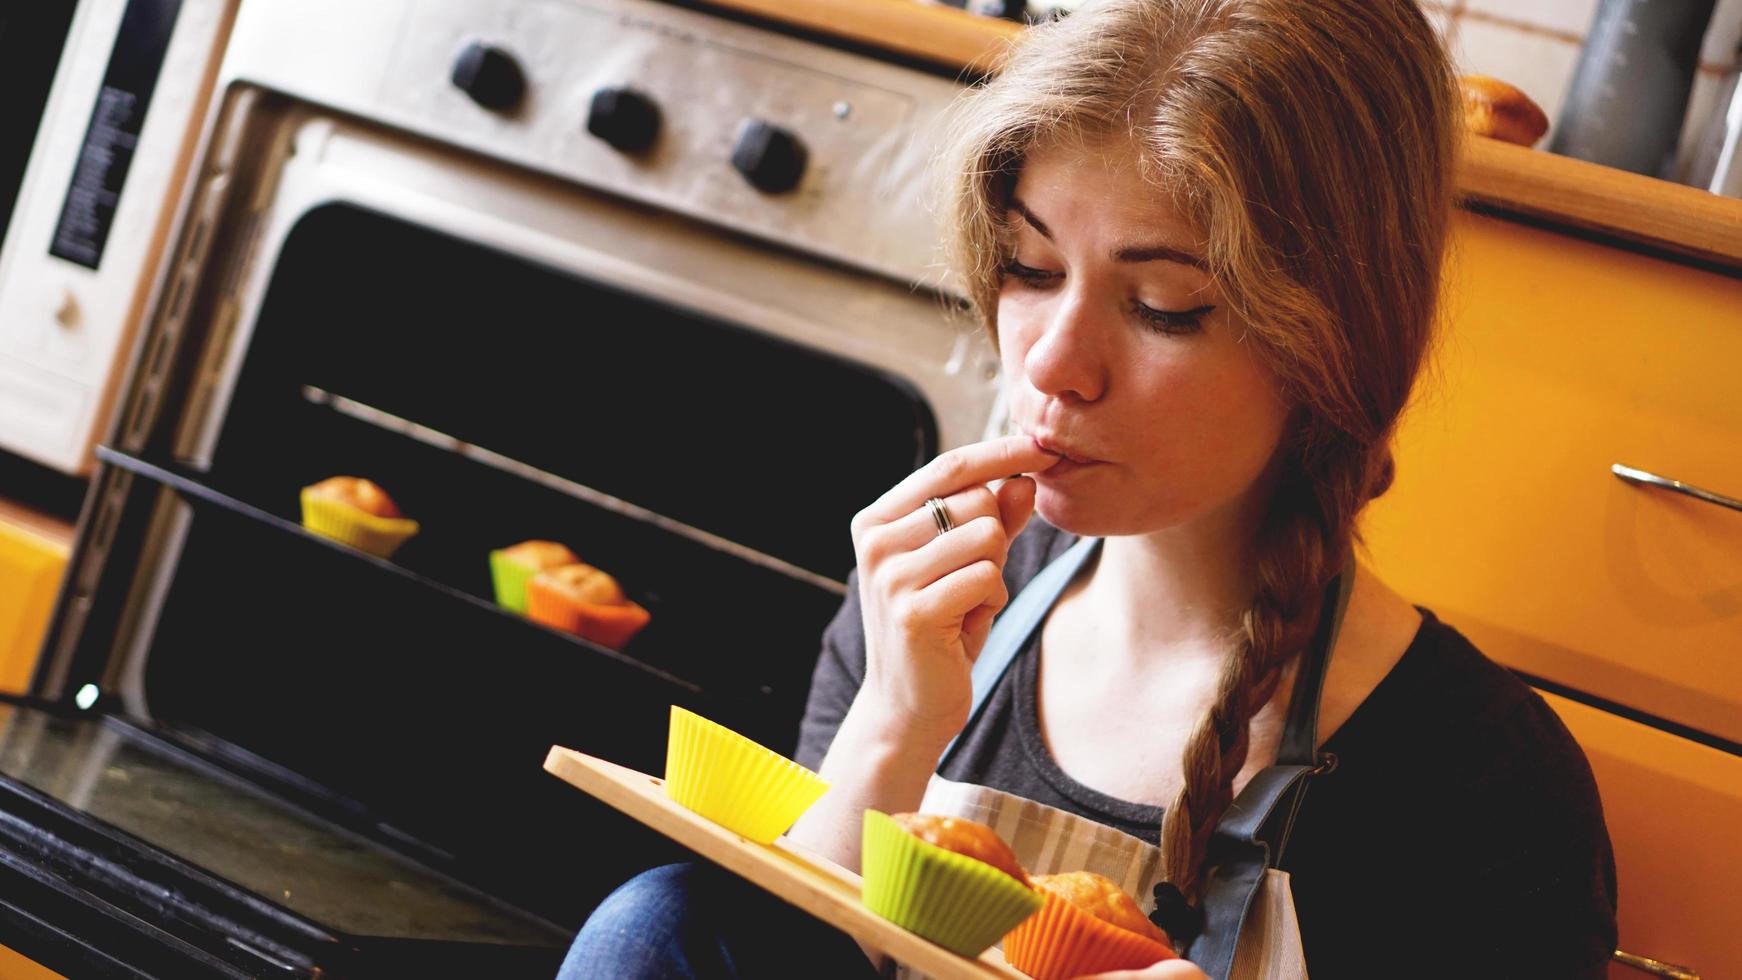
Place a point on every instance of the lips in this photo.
(1050, 444)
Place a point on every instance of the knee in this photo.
(653, 901)
(642, 928)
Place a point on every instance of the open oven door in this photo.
(258, 752)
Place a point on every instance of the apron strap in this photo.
(1300, 732)
(1011, 630)
(1240, 853)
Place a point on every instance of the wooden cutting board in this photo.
(807, 880)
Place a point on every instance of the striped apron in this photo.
(1250, 931)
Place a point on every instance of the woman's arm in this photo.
(926, 602)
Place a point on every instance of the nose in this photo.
(1065, 361)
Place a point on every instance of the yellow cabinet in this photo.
(1561, 358)
(1673, 807)
(33, 557)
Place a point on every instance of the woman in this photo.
(1207, 237)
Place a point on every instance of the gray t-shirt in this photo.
(1460, 835)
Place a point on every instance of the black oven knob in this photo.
(624, 118)
(490, 76)
(770, 158)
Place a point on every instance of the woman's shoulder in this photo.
(1447, 699)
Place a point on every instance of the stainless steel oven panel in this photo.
(889, 326)
(868, 125)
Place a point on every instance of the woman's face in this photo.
(1119, 350)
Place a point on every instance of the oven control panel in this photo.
(818, 149)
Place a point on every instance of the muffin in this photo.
(356, 512)
(964, 837)
(583, 600)
(512, 567)
(732, 780)
(931, 876)
(1088, 925)
(1496, 109)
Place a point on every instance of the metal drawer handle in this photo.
(1656, 968)
(1632, 475)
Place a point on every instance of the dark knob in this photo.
(624, 118)
(490, 76)
(770, 158)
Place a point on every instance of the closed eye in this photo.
(1029, 275)
(1173, 321)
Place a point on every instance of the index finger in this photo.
(974, 464)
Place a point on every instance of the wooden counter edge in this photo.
(1585, 197)
(942, 35)
(51, 529)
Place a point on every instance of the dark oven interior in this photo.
(396, 699)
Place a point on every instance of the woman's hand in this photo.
(928, 599)
(1165, 970)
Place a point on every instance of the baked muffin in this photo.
(512, 567)
(1496, 109)
(1087, 925)
(965, 837)
(585, 601)
(365, 495)
(1100, 897)
(356, 512)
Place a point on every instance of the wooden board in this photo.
(807, 880)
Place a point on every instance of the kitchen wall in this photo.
(1534, 44)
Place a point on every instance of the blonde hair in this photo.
(1311, 143)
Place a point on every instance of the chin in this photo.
(1077, 514)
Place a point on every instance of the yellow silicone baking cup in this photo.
(750, 790)
(1063, 942)
(959, 903)
(379, 536)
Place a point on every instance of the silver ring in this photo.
(940, 514)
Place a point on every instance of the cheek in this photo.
(1216, 414)
(1014, 338)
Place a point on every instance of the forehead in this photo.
(1099, 190)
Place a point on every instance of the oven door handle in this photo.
(1656, 968)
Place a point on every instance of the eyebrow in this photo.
(1129, 253)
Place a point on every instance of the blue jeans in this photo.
(695, 921)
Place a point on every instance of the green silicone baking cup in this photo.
(959, 903)
(510, 578)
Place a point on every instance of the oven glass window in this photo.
(701, 421)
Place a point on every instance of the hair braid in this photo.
(1294, 560)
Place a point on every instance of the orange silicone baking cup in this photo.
(1060, 942)
(612, 626)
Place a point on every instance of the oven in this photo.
(655, 284)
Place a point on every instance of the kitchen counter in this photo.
(1585, 198)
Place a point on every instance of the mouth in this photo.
(1065, 452)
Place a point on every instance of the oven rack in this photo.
(198, 492)
(387, 421)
